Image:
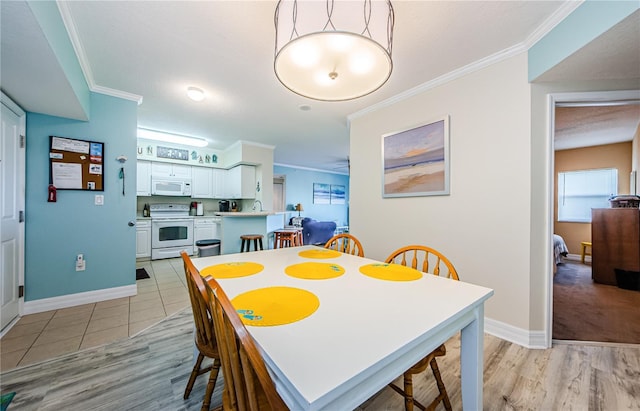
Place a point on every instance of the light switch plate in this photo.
(99, 199)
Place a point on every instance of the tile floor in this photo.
(42, 336)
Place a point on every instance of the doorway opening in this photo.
(574, 146)
(279, 193)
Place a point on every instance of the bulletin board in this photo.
(76, 164)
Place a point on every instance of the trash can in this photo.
(208, 248)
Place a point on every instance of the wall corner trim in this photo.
(72, 300)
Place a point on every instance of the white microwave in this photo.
(170, 187)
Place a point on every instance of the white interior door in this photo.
(12, 172)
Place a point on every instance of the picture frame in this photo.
(321, 193)
(415, 161)
(338, 195)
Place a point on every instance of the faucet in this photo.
(254, 205)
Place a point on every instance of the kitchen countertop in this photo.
(245, 213)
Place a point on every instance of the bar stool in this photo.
(584, 245)
(246, 239)
(287, 238)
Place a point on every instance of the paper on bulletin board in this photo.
(67, 175)
(95, 168)
(65, 144)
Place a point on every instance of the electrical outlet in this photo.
(80, 263)
(99, 200)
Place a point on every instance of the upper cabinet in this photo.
(208, 183)
(241, 182)
(143, 178)
(170, 170)
(218, 177)
(202, 182)
(236, 183)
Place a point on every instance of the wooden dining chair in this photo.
(205, 339)
(345, 243)
(431, 261)
(248, 385)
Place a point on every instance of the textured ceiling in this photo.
(593, 126)
(156, 49)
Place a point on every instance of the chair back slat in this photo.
(248, 384)
(433, 261)
(199, 305)
(345, 243)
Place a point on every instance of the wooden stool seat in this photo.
(584, 245)
(287, 238)
(247, 238)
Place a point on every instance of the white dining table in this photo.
(365, 333)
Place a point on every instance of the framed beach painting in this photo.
(415, 161)
(337, 194)
(321, 193)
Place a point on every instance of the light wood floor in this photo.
(149, 372)
(42, 336)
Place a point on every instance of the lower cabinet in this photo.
(143, 238)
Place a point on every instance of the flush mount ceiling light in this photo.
(333, 50)
(171, 138)
(195, 93)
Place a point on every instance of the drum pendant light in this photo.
(333, 50)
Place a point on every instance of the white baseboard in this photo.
(71, 300)
(525, 338)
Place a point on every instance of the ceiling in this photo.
(157, 49)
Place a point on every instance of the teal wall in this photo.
(57, 232)
(299, 186)
(591, 19)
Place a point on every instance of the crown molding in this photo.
(310, 169)
(445, 78)
(548, 25)
(72, 32)
(117, 93)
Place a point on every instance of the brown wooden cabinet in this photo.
(615, 235)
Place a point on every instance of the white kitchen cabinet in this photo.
(241, 182)
(143, 178)
(205, 229)
(201, 182)
(143, 238)
(218, 177)
(170, 170)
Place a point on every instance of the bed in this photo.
(560, 249)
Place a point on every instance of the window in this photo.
(580, 191)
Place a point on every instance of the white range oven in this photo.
(171, 230)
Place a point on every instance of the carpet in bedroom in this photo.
(588, 311)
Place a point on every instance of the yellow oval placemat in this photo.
(391, 272)
(275, 305)
(314, 271)
(231, 270)
(320, 253)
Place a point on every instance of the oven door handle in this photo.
(171, 220)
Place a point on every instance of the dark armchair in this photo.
(317, 232)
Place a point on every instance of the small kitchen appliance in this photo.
(223, 206)
(170, 187)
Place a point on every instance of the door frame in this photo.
(21, 192)
(603, 97)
